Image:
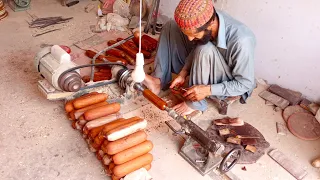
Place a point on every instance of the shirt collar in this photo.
(221, 40)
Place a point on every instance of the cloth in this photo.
(192, 14)
(226, 64)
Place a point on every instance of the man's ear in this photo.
(210, 26)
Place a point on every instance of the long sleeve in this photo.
(189, 61)
(242, 69)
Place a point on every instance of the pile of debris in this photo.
(120, 144)
(301, 116)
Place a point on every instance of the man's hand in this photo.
(179, 81)
(197, 92)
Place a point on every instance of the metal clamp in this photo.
(175, 132)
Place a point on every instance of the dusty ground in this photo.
(37, 142)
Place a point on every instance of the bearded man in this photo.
(213, 49)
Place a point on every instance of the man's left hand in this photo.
(197, 92)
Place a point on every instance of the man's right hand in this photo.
(179, 81)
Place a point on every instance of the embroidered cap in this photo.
(192, 14)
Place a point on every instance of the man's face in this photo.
(199, 38)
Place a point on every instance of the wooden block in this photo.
(305, 103)
(313, 107)
(318, 116)
(281, 129)
(233, 140)
(292, 96)
(251, 148)
(268, 103)
(276, 100)
(223, 132)
(316, 163)
(295, 170)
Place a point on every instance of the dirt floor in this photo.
(37, 142)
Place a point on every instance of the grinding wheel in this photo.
(292, 110)
(304, 126)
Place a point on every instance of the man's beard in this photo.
(205, 39)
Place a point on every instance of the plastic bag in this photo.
(117, 20)
(122, 8)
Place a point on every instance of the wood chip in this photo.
(318, 116)
(233, 140)
(251, 148)
(313, 107)
(305, 103)
(223, 132)
(281, 129)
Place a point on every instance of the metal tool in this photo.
(202, 152)
(19, 5)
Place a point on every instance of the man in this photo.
(215, 50)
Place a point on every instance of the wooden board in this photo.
(304, 126)
(290, 166)
(274, 99)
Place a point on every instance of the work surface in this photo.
(37, 142)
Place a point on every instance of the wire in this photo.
(140, 26)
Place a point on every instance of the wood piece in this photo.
(251, 148)
(224, 132)
(127, 129)
(316, 163)
(304, 126)
(275, 99)
(305, 103)
(233, 140)
(292, 110)
(318, 116)
(293, 97)
(228, 121)
(290, 166)
(313, 107)
(281, 129)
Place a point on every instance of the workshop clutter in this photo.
(3, 12)
(120, 144)
(125, 54)
(299, 114)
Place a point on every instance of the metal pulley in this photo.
(19, 5)
(22, 3)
